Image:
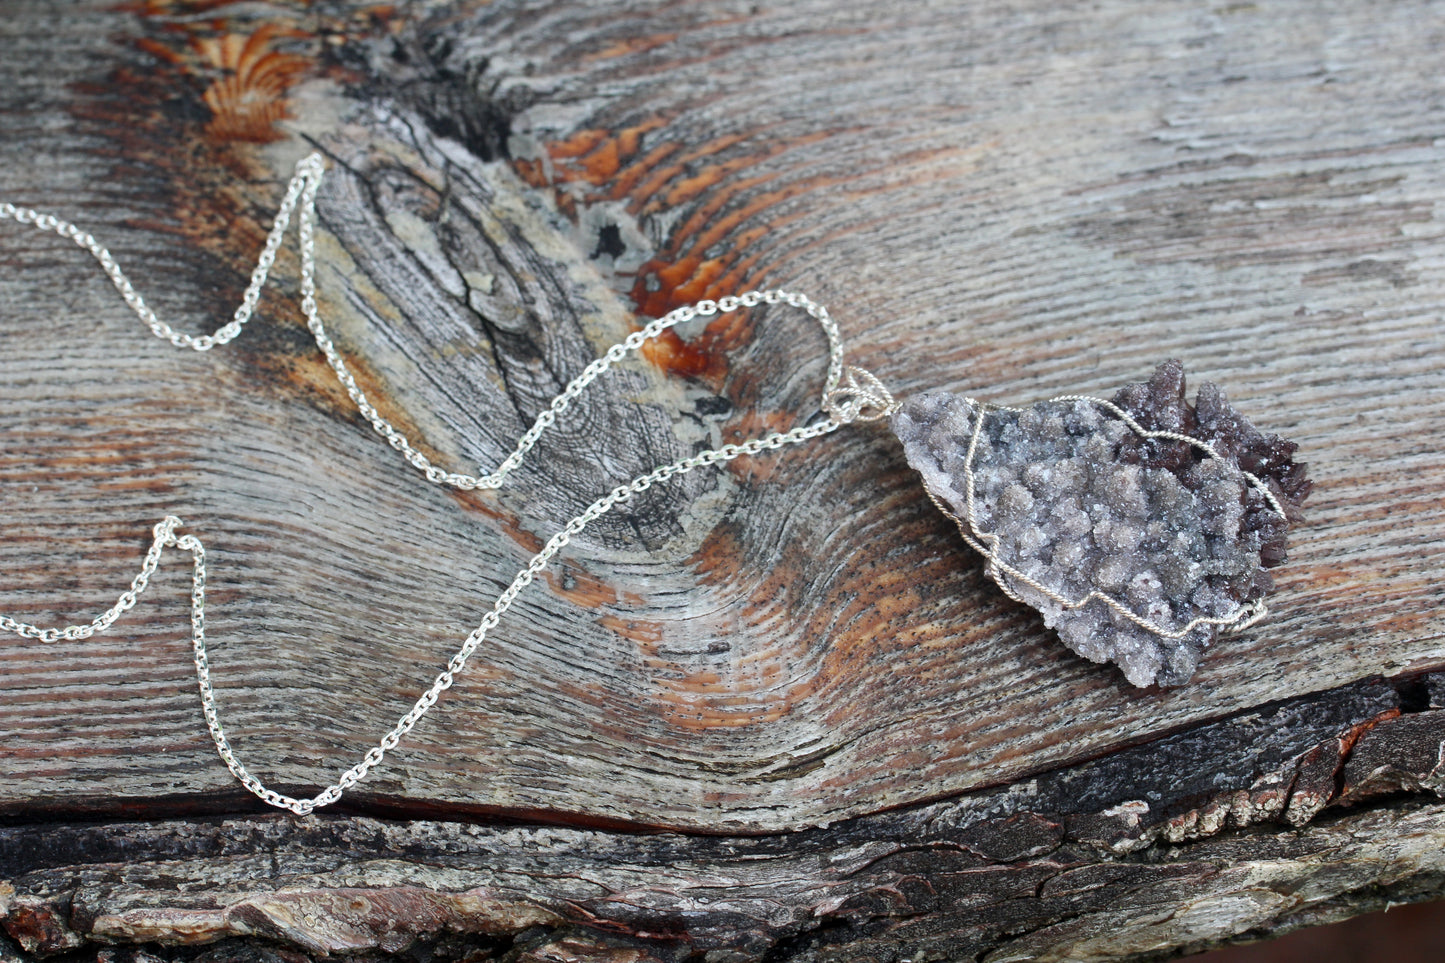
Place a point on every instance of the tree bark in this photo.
(1294, 814)
(772, 711)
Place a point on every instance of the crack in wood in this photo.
(1060, 851)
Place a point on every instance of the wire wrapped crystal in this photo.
(1139, 528)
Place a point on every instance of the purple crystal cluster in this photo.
(1075, 506)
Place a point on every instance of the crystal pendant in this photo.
(1139, 528)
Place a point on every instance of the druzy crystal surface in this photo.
(1079, 510)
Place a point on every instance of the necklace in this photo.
(1138, 527)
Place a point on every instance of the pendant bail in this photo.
(860, 396)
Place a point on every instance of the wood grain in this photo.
(1169, 846)
(1017, 199)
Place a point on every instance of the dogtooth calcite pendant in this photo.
(1140, 528)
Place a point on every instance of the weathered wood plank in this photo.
(1020, 200)
(1171, 845)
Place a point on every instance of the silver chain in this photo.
(849, 394)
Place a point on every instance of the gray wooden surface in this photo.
(1015, 199)
(1298, 814)
(1011, 205)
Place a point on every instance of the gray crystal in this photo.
(1073, 505)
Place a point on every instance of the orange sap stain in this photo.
(595, 155)
(631, 45)
(246, 103)
(645, 632)
(579, 587)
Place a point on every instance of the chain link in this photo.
(849, 394)
(126, 602)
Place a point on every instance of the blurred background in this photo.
(1404, 934)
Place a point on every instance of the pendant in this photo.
(1139, 528)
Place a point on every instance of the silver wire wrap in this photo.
(1245, 615)
(849, 394)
